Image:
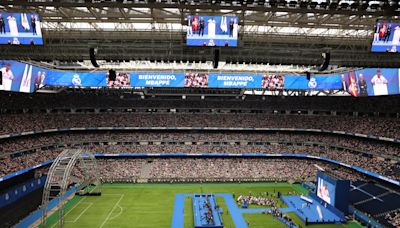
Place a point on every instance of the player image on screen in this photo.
(386, 37)
(325, 190)
(8, 77)
(20, 28)
(380, 84)
(371, 82)
(211, 30)
(19, 77)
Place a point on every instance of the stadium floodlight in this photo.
(391, 5)
(354, 5)
(282, 3)
(320, 3)
(303, 3)
(363, 4)
(292, 3)
(313, 4)
(323, 4)
(272, 3)
(374, 5)
(333, 4)
(344, 4)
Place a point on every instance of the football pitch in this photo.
(152, 205)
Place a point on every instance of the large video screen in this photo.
(371, 82)
(122, 80)
(76, 79)
(219, 31)
(315, 82)
(386, 37)
(157, 79)
(21, 77)
(326, 190)
(20, 28)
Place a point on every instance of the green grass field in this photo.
(151, 205)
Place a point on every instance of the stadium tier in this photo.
(22, 152)
(149, 128)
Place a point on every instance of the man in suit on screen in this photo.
(388, 33)
(363, 86)
(201, 27)
(231, 25)
(33, 24)
(345, 87)
(2, 25)
(189, 26)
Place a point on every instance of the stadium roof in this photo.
(274, 32)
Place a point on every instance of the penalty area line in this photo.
(80, 201)
(109, 214)
(76, 219)
(119, 213)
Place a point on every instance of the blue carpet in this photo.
(234, 211)
(310, 213)
(179, 213)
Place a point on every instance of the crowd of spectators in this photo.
(266, 200)
(207, 168)
(9, 165)
(119, 168)
(376, 147)
(371, 164)
(189, 168)
(172, 143)
(228, 112)
(393, 218)
(285, 169)
(16, 123)
(115, 99)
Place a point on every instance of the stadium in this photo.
(200, 113)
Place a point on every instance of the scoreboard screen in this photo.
(386, 37)
(20, 29)
(221, 31)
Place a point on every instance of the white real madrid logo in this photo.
(76, 80)
(312, 83)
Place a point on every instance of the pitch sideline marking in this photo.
(80, 201)
(69, 211)
(109, 214)
(76, 219)
(91, 204)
